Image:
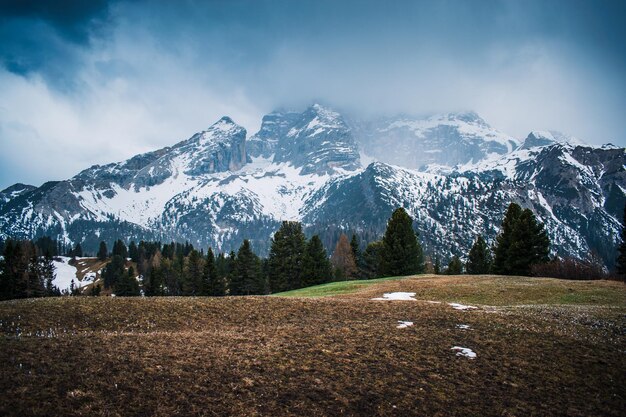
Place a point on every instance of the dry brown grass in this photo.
(316, 357)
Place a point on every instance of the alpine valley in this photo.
(454, 173)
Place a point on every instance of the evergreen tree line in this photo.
(521, 248)
(26, 271)
(521, 245)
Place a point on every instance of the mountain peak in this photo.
(537, 138)
(469, 116)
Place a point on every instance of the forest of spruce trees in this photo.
(175, 269)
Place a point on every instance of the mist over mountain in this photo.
(454, 173)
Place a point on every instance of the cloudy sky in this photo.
(86, 82)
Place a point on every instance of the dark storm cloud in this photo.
(73, 19)
(49, 37)
(94, 81)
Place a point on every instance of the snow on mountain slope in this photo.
(446, 139)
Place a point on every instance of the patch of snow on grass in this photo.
(404, 324)
(397, 296)
(458, 306)
(467, 352)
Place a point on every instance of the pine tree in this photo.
(246, 278)
(192, 278)
(113, 271)
(317, 269)
(621, 257)
(119, 249)
(455, 266)
(343, 259)
(49, 274)
(522, 243)
(401, 252)
(287, 257)
(530, 245)
(214, 284)
(127, 285)
(479, 258)
(133, 251)
(372, 259)
(437, 265)
(504, 239)
(103, 252)
(77, 252)
(154, 285)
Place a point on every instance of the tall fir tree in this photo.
(192, 274)
(214, 284)
(286, 257)
(522, 243)
(119, 249)
(505, 239)
(455, 266)
(103, 252)
(317, 269)
(133, 251)
(77, 251)
(372, 259)
(401, 251)
(479, 258)
(113, 271)
(127, 285)
(621, 251)
(530, 245)
(49, 274)
(247, 278)
(343, 259)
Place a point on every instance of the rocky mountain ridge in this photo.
(219, 186)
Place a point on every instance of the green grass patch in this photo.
(336, 288)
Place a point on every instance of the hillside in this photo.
(542, 347)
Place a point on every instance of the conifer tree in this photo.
(77, 251)
(479, 258)
(343, 259)
(372, 259)
(401, 251)
(317, 269)
(214, 284)
(103, 252)
(455, 266)
(154, 283)
(127, 285)
(49, 274)
(246, 278)
(119, 249)
(356, 251)
(621, 257)
(505, 239)
(522, 243)
(437, 265)
(133, 251)
(192, 276)
(286, 257)
(530, 245)
(113, 271)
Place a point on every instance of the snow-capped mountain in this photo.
(440, 140)
(219, 187)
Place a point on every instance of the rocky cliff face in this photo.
(306, 167)
(316, 141)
